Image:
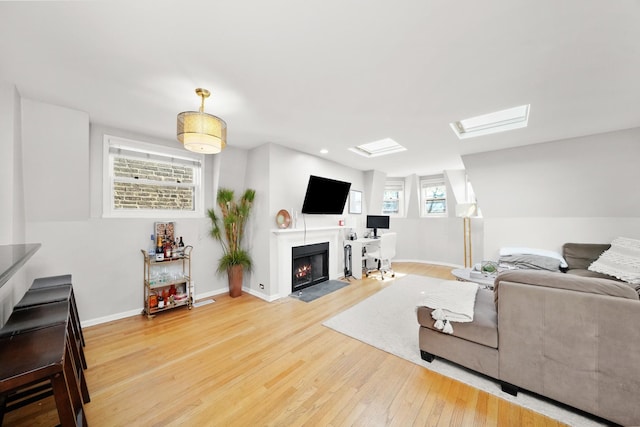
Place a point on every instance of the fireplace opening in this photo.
(309, 265)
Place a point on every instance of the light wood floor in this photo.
(246, 362)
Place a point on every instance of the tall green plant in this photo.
(229, 229)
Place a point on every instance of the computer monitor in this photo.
(377, 221)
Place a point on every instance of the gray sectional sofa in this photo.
(569, 337)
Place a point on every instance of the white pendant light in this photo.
(201, 132)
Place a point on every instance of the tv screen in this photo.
(325, 196)
(377, 221)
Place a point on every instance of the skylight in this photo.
(378, 148)
(499, 121)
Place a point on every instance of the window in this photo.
(151, 181)
(433, 196)
(393, 198)
(498, 121)
(378, 148)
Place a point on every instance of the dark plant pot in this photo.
(234, 274)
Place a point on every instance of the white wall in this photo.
(574, 190)
(10, 162)
(280, 177)
(103, 255)
(436, 240)
(56, 186)
(458, 184)
(12, 222)
(374, 191)
(289, 174)
(257, 178)
(18, 222)
(552, 233)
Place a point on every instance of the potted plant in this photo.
(229, 231)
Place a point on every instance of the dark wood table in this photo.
(12, 257)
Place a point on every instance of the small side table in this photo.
(464, 275)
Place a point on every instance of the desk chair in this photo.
(382, 254)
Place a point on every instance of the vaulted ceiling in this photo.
(335, 73)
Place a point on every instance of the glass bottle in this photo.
(152, 246)
(159, 248)
(167, 249)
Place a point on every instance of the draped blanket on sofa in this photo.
(451, 301)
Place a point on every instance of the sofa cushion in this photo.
(529, 262)
(484, 328)
(527, 258)
(621, 260)
(571, 282)
(581, 255)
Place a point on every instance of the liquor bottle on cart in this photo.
(159, 248)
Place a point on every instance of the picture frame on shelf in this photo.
(355, 202)
(160, 227)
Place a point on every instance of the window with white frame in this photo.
(151, 181)
(433, 196)
(393, 198)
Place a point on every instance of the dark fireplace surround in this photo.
(309, 265)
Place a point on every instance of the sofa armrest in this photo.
(580, 348)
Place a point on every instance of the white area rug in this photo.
(388, 321)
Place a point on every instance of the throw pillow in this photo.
(506, 251)
(622, 260)
(529, 262)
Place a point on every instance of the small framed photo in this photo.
(355, 202)
(161, 227)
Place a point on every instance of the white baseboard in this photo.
(138, 311)
(111, 317)
(212, 293)
(422, 261)
(261, 295)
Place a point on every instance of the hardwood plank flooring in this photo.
(247, 362)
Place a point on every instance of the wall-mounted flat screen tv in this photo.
(325, 196)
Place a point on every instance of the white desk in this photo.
(356, 254)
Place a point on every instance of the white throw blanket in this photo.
(451, 301)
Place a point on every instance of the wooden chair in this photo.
(53, 294)
(39, 310)
(62, 280)
(39, 356)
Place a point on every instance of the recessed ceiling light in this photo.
(499, 121)
(378, 148)
(324, 151)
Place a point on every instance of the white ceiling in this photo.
(335, 73)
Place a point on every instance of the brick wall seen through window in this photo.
(131, 195)
(143, 180)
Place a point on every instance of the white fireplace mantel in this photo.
(288, 238)
(308, 230)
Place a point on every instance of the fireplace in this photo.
(309, 265)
